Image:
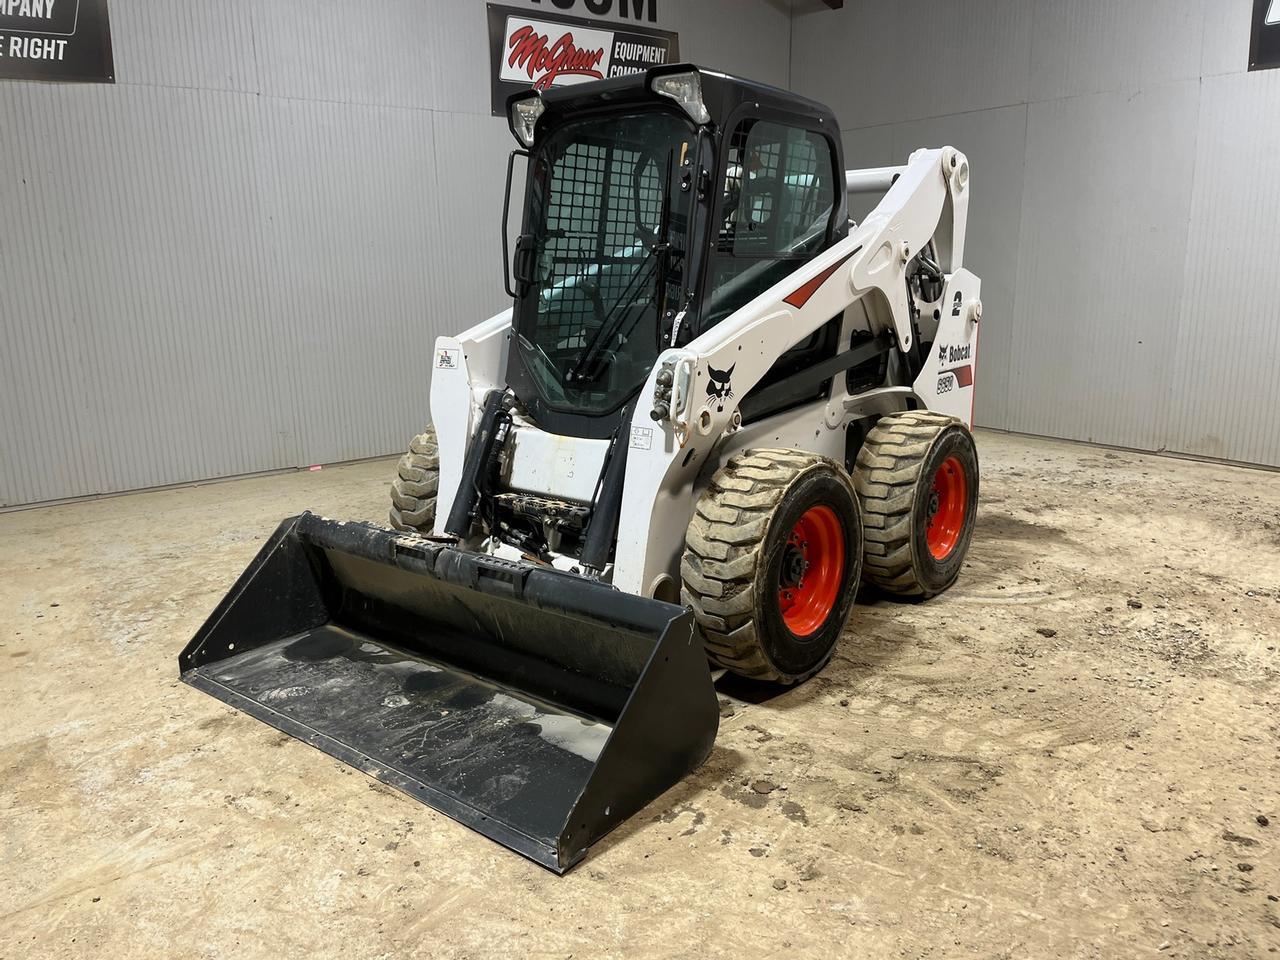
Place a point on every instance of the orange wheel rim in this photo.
(948, 505)
(812, 571)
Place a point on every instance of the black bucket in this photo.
(535, 706)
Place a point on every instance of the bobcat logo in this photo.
(719, 389)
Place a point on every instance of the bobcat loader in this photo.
(715, 406)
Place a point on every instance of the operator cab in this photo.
(655, 206)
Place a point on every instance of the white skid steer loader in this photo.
(715, 407)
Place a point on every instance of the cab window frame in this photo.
(749, 113)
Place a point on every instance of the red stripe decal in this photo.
(964, 375)
(802, 293)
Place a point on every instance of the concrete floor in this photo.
(1074, 753)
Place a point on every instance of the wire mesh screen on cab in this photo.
(598, 193)
(597, 212)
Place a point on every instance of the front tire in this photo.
(772, 561)
(917, 477)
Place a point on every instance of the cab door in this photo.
(777, 209)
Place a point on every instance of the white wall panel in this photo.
(461, 45)
(236, 259)
(751, 39)
(1223, 392)
(351, 214)
(208, 45)
(1097, 46)
(469, 176)
(1105, 200)
(867, 147)
(876, 62)
(1225, 43)
(352, 53)
(135, 337)
(1115, 241)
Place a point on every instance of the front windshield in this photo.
(608, 234)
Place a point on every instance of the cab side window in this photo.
(775, 212)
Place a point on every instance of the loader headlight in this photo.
(524, 117)
(686, 90)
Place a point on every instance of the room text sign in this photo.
(55, 40)
(1264, 44)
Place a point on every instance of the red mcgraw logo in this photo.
(531, 52)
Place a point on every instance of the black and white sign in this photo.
(55, 40)
(638, 9)
(1264, 45)
(528, 48)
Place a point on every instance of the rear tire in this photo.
(917, 477)
(772, 561)
(413, 491)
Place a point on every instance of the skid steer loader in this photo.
(715, 406)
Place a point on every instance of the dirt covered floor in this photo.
(1074, 753)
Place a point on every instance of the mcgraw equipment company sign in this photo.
(1264, 43)
(55, 40)
(529, 48)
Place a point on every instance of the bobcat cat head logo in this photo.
(719, 389)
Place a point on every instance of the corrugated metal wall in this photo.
(1126, 206)
(236, 259)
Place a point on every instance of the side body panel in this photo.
(465, 369)
(946, 382)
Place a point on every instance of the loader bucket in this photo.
(535, 706)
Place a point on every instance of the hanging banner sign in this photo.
(528, 48)
(55, 40)
(1264, 45)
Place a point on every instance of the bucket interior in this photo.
(454, 737)
(490, 692)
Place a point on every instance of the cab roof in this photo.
(722, 94)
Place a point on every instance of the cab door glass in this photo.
(775, 212)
